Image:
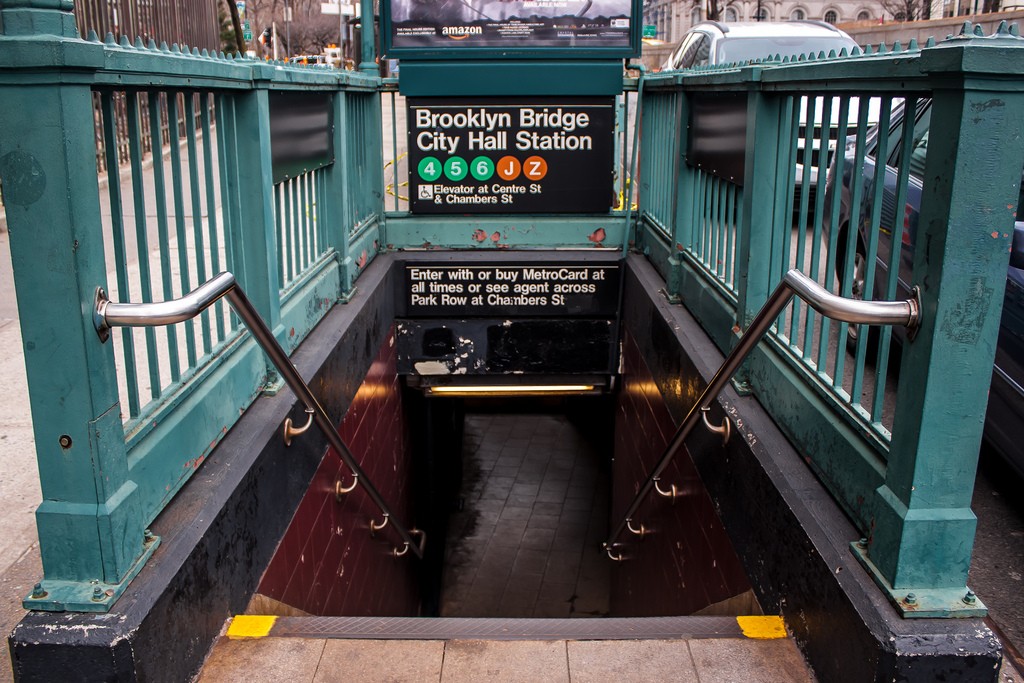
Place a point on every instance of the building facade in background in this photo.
(673, 18)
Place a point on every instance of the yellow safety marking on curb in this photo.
(250, 626)
(762, 628)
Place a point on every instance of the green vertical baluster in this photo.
(872, 245)
(294, 188)
(730, 251)
(317, 194)
(292, 251)
(184, 277)
(301, 227)
(667, 174)
(714, 225)
(286, 229)
(162, 232)
(394, 149)
(322, 200)
(301, 231)
(311, 184)
(307, 206)
(280, 222)
(120, 252)
(902, 181)
(197, 212)
(809, 107)
(703, 217)
(211, 205)
(314, 185)
(723, 229)
(833, 238)
(856, 189)
(228, 163)
(819, 212)
(789, 123)
(705, 181)
(709, 221)
(142, 232)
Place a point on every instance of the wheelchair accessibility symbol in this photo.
(426, 192)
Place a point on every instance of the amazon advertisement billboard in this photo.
(481, 28)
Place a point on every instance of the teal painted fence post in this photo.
(363, 162)
(39, 17)
(367, 44)
(339, 192)
(923, 527)
(683, 200)
(756, 229)
(90, 524)
(252, 233)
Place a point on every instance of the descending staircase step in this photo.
(413, 628)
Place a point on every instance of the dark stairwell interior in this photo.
(515, 495)
(533, 510)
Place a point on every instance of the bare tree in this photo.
(311, 33)
(906, 10)
(714, 8)
(236, 23)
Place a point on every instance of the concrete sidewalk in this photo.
(20, 566)
(467, 661)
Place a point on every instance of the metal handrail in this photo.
(110, 314)
(906, 313)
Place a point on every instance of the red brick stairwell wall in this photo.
(687, 562)
(328, 563)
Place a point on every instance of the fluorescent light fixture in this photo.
(512, 389)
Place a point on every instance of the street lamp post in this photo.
(288, 28)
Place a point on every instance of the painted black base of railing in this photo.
(791, 536)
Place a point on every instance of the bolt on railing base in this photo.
(86, 596)
(920, 603)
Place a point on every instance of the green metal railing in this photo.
(185, 138)
(165, 232)
(118, 432)
(301, 234)
(879, 436)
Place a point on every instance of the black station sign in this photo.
(510, 290)
(543, 155)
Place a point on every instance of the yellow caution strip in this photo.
(250, 626)
(762, 628)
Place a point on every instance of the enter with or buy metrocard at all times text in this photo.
(506, 289)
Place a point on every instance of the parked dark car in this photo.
(713, 42)
(1004, 421)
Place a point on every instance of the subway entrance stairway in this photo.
(180, 487)
(526, 588)
(743, 517)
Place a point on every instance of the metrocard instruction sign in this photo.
(537, 155)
